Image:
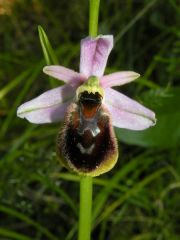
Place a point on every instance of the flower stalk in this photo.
(86, 182)
(86, 187)
(93, 17)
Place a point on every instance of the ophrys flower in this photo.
(91, 91)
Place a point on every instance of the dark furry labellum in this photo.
(87, 144)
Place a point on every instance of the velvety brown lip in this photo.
(83, 150)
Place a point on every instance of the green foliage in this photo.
(139, 198)
(166, 133)
(49, 55)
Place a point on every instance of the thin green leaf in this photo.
(48, 51)
(13, 83)
(27, 220)
(27, 85)
(131, 192)
(12, 234)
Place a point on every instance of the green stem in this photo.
(85, 208)
(86, 182)
(93, 17)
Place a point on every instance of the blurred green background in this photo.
(139, 199)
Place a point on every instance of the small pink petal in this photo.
(94, 55)
(118, 78)
(65, 74)
(48, 107)
(127, 113)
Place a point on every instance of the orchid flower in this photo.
(51, 106)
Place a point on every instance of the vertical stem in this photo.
(86, 182)
(85, 208)
(93, 17)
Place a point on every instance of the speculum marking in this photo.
(87, 150)
(88, 124)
